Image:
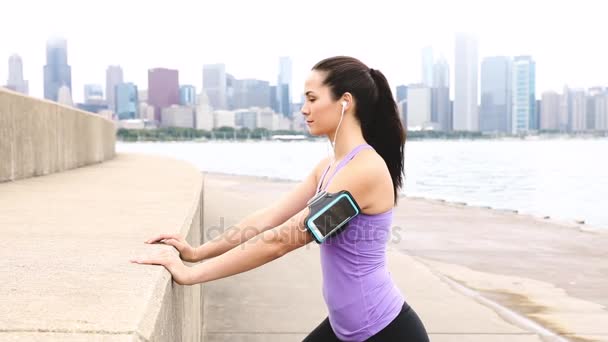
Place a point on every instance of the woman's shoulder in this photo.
(370, 162)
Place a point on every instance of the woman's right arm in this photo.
(252, 225)
(263, 219)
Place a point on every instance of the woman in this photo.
(342, 96)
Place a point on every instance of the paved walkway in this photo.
(282, 301)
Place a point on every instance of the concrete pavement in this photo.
(282, 301)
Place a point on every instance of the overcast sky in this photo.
(568, 39)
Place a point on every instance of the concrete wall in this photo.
(175, 313)
(66, 245)
(39, 137)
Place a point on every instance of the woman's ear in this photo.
(347, 100)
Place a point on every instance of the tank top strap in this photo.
(343, 162)
(322, 178)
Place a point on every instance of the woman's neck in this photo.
(349, 136)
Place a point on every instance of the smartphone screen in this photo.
(334, 216)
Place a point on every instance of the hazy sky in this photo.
(568, 39)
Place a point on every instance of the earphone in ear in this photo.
(344, 103)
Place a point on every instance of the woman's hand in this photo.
(181, 273)
(186, 252)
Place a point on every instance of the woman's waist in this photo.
(355, 281)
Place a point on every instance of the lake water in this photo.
(561, 178)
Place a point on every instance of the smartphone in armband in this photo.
(330, 213)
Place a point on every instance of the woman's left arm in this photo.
(270, 245)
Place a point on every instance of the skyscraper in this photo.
(93, 94)
(427, 66)
(419, 104)
(465, 116)
(127, 104)
(113, 78)
(57, 72)
(578, 104)
(284, 86)
(594, 107)
(549, 117)
(64, 96)
(401, 93)
(215, 85)
(187, 95)
(524, 95)
(15, 75)
(601, 113)
(163, 89)
(251, 93)
(441, 108)
(495, 113)
(203, 118)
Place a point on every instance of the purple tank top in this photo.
(361, 297)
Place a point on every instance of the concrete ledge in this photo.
(67, 241)
(39, 137)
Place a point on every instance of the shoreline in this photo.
(531, 138)
(577, 224)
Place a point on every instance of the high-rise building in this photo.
(578, 104)
(146, 112)
(565, 111)
(163, 89)
(496, 99)
(440, 107)
(268, 119)
(187, 95)
(203, 118)
(594, 102)
(274, 101)
(93, 94)
(251, 93)
(524, 117)
(465, 115)
(215, 85)
(114, 77)
(57, 72)
(550, 111)
(223, 118)
(15, 75)
(401, 93)
(178, 116)
(601, 112)
(127, 103)
(419, 104)
(284, 86)
(64, 96)
(142, 94)
(427, 67)
(246, 118)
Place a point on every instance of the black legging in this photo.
(406, 327)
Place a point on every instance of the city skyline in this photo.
(565, 54)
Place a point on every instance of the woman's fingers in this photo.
(162, 237)
(175, 243)
(156, 259)
(147, 260)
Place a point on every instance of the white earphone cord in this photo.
(336, 134)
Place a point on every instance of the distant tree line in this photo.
(186, 134)
(230, 133)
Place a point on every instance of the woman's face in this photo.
(321, 112)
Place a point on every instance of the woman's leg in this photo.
(407, 326)
(322, 333)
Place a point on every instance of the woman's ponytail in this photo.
(385, 131)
